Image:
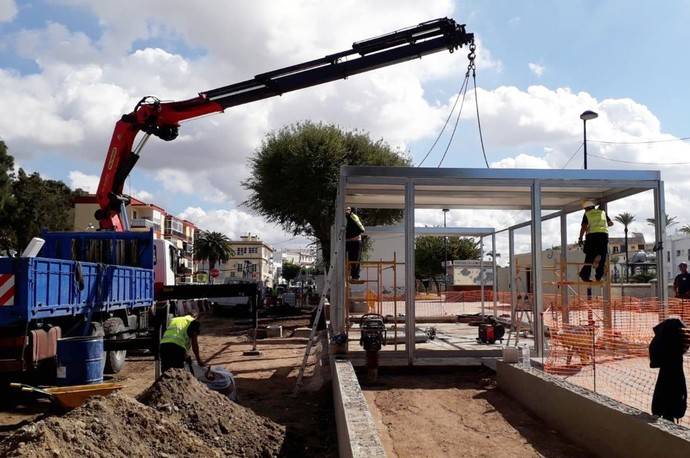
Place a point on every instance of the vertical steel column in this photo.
(338, 279)
(481, 271)
(538, 285)
(606, 287)
(494, 289)
(660, 235)
(513, 275)
(565, 310)
(410, 284)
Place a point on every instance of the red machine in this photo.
(162, 119)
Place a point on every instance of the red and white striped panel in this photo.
(6, 289)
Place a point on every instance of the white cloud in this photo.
(521, 161)
(88, 183)
(235, 223)
(8, 10)
(536, 68)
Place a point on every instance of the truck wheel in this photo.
(114, 360)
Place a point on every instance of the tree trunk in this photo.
(627, 265)
(211, 266)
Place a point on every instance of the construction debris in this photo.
(176, 416)
(235, 430)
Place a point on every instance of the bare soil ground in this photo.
(457, 413)
(264, 383)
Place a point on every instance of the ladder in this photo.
(319, 311)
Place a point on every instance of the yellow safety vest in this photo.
(177, 332)
(596, 222)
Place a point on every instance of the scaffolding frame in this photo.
(558, 192)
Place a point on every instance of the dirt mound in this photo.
(221, 423)
(113, 426)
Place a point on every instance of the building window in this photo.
(615, 248)
(677, 253)
(232, 274)
(640, 247)
(688, 254)
(241, 251)
(668, 256)
(252, 250)
(238, 267)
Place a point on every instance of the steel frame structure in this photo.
(559, 192)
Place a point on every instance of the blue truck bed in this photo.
(77, 277)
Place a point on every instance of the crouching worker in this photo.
(181, 334)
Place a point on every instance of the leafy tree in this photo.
(290, 271)
(6, 176)
(429, 252)
(685, 229)
(213, 247)
(670, 221)
(6, 199)
(625, 219)
(37, 204)
(295, 172)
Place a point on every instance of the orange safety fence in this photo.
(605, 349)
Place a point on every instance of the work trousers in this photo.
(596, 244)
(172, 356)
(353, 248)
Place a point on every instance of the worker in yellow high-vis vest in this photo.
(353, 241)
(595, 223)
(181, 335)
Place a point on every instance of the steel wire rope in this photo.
(445, 124)
(637, 163)
(573, 155)
(479, 122)
(455, 127)
(641, 142)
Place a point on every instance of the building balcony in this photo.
(144, 223)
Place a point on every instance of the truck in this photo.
(112, 282)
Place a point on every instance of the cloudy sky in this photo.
(70, 68)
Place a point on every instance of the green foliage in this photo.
(670, 221)
(625, 219)
(685, 229)
(429, 253)
(290, 271)
(213, 247)
(6, 176)
(294, 177)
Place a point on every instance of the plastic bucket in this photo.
(80, 360)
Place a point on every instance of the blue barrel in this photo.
(80, 360)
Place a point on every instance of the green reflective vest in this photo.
(177, 332)
(596, 222)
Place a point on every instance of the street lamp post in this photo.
(586, 116)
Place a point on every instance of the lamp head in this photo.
(588, 115)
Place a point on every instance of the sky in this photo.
(70, 68)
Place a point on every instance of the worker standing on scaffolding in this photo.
(353, 242)
(595, 223)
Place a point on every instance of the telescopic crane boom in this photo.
(162, 119)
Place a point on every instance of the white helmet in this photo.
(587, 203)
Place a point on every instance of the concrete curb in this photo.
(598, 423)
(357, 434)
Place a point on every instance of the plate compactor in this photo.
(372, 338)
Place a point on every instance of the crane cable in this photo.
(476, 103)
(470, 68)
(438, 137)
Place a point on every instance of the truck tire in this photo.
(114, 360)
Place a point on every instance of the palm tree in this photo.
(214, 247)
(670, 221)
(625, 219)
(685, 229)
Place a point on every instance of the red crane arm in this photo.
(162, 119)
